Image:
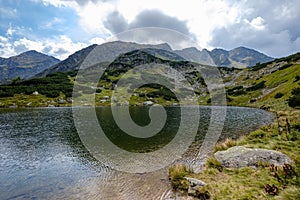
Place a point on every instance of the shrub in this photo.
(259, 66)
(294, 100)
(257, 86)
(285, 66)
(208, 101)
(256, 135)
(51, 93)
(278, 95)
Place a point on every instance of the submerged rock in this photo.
(239, 156)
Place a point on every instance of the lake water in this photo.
(42, 156)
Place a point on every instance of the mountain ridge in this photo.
(25, 65)
(239, 57)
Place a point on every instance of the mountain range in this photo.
(267, 84)
(35, 64)
(25, 65)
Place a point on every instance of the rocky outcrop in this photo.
(239, 156)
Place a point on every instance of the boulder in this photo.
(239, 156)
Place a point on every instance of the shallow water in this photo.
(42, 157)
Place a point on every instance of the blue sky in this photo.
(61, 27)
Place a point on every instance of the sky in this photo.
(61, 27)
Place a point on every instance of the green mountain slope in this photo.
(268, 85)
(265, 85)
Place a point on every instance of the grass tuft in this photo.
(225, 145)
(214, 163)
(176, 176)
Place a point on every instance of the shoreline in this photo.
(273, 138)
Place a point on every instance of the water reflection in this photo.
(41, 155)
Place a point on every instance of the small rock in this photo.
(194, 185)
(61, 101)
(105, 97)
(70, 100)
(35, 93)
(13, 106)
(239, 156)
(28, 104)
(148, 103)
(51, 106)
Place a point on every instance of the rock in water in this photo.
(239, 156)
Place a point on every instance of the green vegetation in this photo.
(50, 86)
(265, 182)
(268, 85)
(257, 86)
(294, 100)
(177, 174)
(278, 95)
(273, 85)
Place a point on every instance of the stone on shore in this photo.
(194, 185)
(239, 156)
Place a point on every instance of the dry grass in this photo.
(225, 145)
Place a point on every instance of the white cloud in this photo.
(6, 48)
(8, 12)
(263, 25)
(54, 22)
(56, 3)
(202, 17)
(60, 47)
(10, 31)
(28, 44)
(92, 16)
(257, 23)
(97, 40)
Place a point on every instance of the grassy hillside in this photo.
(267, 91)
(268, 85)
